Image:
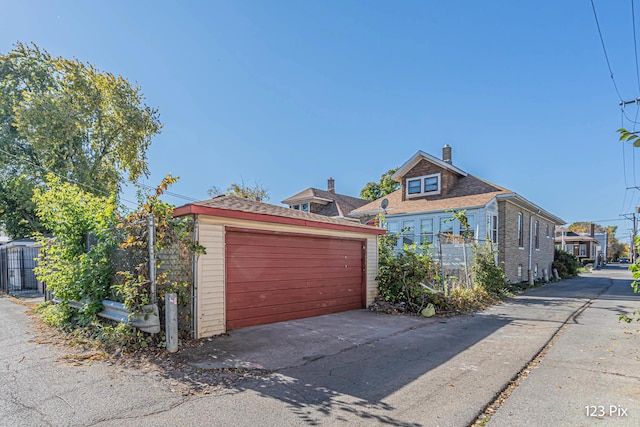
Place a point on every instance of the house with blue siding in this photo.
(431, 188)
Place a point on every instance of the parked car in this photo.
(624, 260)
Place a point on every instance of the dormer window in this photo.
(423, 185)
(301, 207)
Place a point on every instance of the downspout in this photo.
(194, 287)
(531, 278)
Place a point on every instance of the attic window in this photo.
(423, 185)
(301, 207)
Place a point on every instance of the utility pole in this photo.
(632, 247)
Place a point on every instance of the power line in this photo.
(635, 43)
(169, 193)
(93, 189)
(604, 49)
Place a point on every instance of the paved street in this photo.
(390, 370)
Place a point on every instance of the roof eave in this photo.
(518, 199)
(195, 209)
(402, 170)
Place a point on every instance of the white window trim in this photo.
(421, 179)
(300, 206)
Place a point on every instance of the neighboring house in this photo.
(521, 230)
(582, 245)
(267, 263)
(325, 202)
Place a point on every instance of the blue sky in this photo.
(290, 93)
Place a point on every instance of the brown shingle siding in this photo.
(447, 178)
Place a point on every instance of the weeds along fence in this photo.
(455, 257)
(156, 269)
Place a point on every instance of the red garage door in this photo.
(273, 277)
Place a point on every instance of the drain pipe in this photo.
(194, 286)
(531, 278)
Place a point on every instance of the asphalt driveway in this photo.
(294, 343)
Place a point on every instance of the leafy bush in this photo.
(586, 261)
(70, 269)
(487, 274)
(78, 271)
(401, 273)
(567, 264)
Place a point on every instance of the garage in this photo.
(267, 263)
(273, 277)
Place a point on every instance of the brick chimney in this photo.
(331, 185)
(593, 230)
(446, 154)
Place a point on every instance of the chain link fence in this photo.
(158, 269)
(453, 254)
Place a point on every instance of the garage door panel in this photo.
(287, 241)
(275, 285)
(261, 316)
(284, 274)
(272, 276)
(306, 255)
(289, 263)
(251, 299)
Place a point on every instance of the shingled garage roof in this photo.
(265, 263)
(469, 191)
(237, 207)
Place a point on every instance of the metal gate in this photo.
(16, 269)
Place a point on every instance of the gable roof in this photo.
(337, 205)
(421, 155)
(237, 207)
(468, 192)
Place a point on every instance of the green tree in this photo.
(69, 118)
(386, 185)
(71, 269)
(632, 137)
(255, 192)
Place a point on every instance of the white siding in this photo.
(210, 286)
(372, 269)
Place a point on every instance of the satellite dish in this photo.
(384, 203)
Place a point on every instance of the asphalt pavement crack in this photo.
(521, 375)
(185, 399)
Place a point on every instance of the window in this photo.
(520, 234)
(302, 207)
(431, 184)
(471, 222)
(494, 228)
(414, 186)
(426, 230)
(393, 228)
(520, 273)
(446, 225)
(535, 271)
(536, 235)
(408, 230)
(423, 185)
(547, 230)
(583, 249)
(569, 249)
